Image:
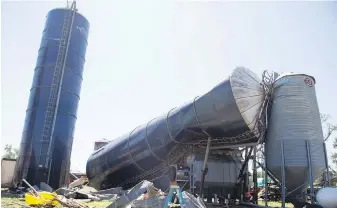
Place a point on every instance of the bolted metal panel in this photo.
(220, 172)
(227, 110)
(33, 147)
(221, 177)
(295, 119)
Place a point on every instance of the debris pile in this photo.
(144, 194)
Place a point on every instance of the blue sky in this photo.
(145, 57)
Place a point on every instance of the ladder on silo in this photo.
(45, 158)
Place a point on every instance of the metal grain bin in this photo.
(43, 158)
(295, 122)
(228, 109)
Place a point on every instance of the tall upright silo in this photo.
(294, 136)
(49, 126)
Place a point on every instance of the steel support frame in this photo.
(245, 163)
(204, 168)
(255, 175)
(243, 169)
(265, 176)
(272, 177)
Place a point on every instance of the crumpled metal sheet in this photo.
(134, 198)
(214, 114)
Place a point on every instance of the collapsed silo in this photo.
(48, 131)
(229, 109)
(295, 133)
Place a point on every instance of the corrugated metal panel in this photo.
(295, 119)
(7, 172)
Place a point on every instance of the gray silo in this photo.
(229, 109)
(295, 129)
(51, 115)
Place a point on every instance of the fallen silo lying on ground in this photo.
(229, 109)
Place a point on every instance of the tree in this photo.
(334, 155)
(10, 152)
(328, 130)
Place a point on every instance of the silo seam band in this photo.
(56, 27)
(67, 68)
(196, 116)
(59, 111)
(168, 128)
(147, 142)
(73, 50)
(130, 151)
(49, 86)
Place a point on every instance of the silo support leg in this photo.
(205, 168)
(283, 177)
(327, 178)
(255, 176)
(310, 173)
(265, 177)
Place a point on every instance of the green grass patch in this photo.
(275, 204)
(98, 204)
(8, 202)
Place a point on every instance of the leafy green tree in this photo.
(328, 130)
(334, 155)
(260, 174)
(10, 152)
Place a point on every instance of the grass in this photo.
(8, 202)
(275, 204)
(99, 204)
